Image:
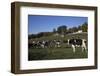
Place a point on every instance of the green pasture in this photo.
(55, 53)
(63, 52)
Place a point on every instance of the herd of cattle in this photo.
(58, 43)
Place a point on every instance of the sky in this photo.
(43, 23)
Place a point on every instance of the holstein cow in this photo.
(57, 43)
(45, 44)
(36, 44)
(77, 43)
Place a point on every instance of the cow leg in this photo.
(84, 48)
(58, 45)
(73, 48)
(42, 46)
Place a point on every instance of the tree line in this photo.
(63, 29)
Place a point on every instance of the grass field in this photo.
(57, 53)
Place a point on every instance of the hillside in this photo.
(68, 36)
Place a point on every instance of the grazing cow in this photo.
(36, 44)
(46, 44)
(77, 43)
(57, 43)
(52, 43)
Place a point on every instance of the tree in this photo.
(79, 27)
(32, 36)
(84, 27)
(62, 29)
(74, 29)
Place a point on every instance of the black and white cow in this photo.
(77, 43)
(57, 43)
(36, 44)
(45, 44)
(41, 44)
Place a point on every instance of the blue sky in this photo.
(43, 23)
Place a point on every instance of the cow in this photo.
(36, 44)
(57, 43)
(77, 43)
(45, 44)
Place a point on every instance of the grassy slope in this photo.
(80, 35)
